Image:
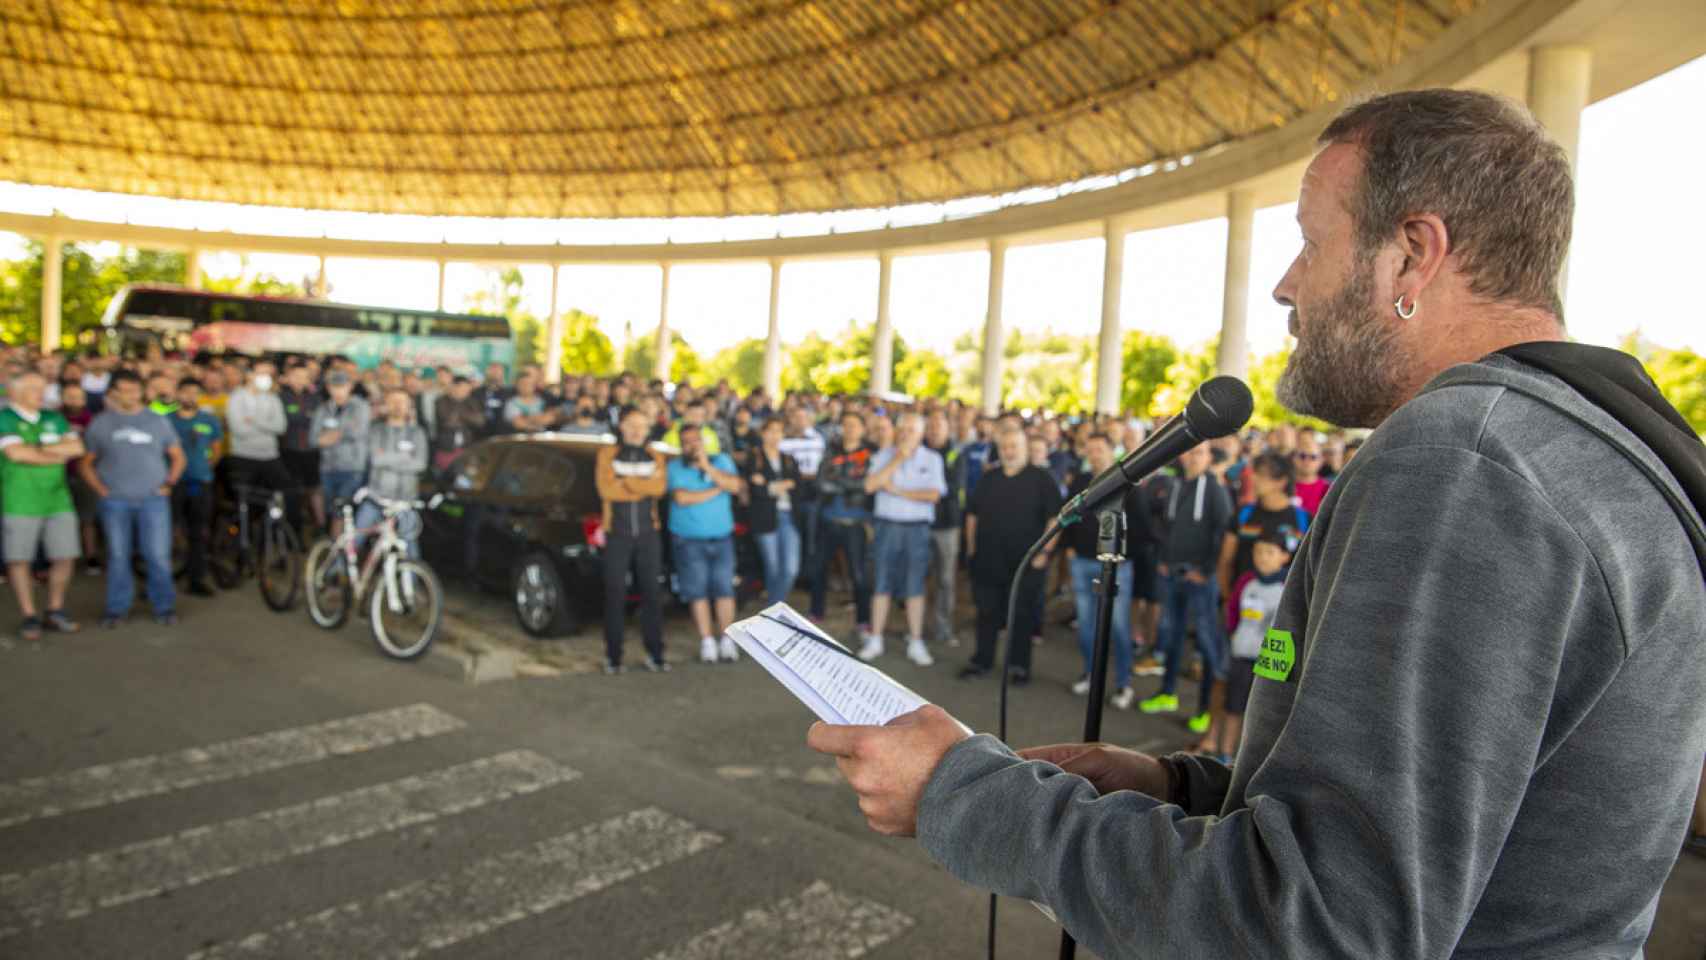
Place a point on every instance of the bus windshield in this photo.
(195, 321)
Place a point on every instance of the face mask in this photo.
(263, 382)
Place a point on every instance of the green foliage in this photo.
(1680, 375)
(585, 347)
(256, 285)
(1183, 377)
(503, 299)
(640, 359)
(841, 366)
(741, 364)
(87, 285)
(922, 374)
(1145, 359)
(1049, 371)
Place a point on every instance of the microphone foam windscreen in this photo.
(1219, 407)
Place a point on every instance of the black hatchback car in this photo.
(521, 514)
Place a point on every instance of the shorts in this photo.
(1240, 677)
(1145, 582)
(704, 569)
(304, 467)
(902, 557)
(56, 533)
(340, 484)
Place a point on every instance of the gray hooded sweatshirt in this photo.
(1476, 729)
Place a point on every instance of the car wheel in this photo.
(542, 605)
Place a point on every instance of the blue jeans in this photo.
(367, 514)
(1085, 570)
(903, 557)
(780, 549)
(704, 569)
(1190, 604)
(151, 520)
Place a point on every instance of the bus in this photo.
(196, 321)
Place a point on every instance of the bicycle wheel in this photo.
(223, 551)
(327, 579)
(280, 566)
(406, 607)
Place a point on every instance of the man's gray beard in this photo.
(1344, 369)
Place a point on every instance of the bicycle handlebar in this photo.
(389, 506)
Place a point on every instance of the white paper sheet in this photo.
(823, 674)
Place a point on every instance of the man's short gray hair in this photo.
(1484, 166)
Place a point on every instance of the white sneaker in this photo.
(918, 653)
(1123, 699)
(731, 653)
(1082, 687)
(707, 650)
(872, 648)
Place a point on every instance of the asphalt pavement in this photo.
(245, 784)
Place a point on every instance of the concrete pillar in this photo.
(320, 288)
(661, 368)
(441, 271)
(882, 344)
(192, 268)
(1108, 339)
(773, 337)
(1234, 358)
(994, 338)
(1558, 80)
(553, 330)
(52, 290)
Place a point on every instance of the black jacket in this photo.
(761, 511)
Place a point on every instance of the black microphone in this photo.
(1219, 407)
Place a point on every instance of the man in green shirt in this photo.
(35, 445)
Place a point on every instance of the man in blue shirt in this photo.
(702, 526)
(907, 479)
(199, 433)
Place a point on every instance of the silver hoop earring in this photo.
(1398, 305)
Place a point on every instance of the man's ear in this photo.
(1424, 243)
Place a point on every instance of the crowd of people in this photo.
(900, 501)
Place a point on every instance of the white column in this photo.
(441, 266)
(773, 338)
(1234, 358)
(1108, 339)
(1558, 80)
(320, 288)
(993, 336)
(553, 331)
(52, 290)
(192, 268)
(661, 368)
(882, 344)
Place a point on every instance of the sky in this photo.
(1631, 269)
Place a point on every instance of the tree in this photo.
(1145, 359)
(1679, 374)
(585, 347)
(640, 359)
(922, 374)
(1185, 374)
(503, 299)
(741, 364)
(841, 366)
(255, 285)
(87, 285)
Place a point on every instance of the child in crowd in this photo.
(1249, 614)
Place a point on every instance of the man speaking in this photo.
(1478, 722)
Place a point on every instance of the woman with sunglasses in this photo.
(1310, 487)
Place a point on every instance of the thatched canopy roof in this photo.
(598, 108)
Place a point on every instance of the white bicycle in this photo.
(404, 598)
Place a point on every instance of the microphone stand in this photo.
(1110, 550)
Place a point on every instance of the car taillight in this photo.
(592, 528)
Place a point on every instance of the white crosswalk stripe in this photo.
(432, 914)
(819, 924)
(77, 887)
(110, 783)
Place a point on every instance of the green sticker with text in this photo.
(1278, 656)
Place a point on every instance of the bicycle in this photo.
(388, 580)
(274, 557)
